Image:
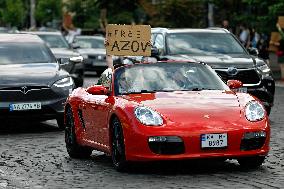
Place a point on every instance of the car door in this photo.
(86, 117)
(98, 108)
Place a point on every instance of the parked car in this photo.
(63, 52)
(147, 112)
(223, 52)
(93, 50)
(32, 84)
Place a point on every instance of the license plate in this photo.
(25, 106)
(99, 63)
(214, 140)
(241, 90)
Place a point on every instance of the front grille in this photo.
(30, 93)
(167, 148)
(252, 144)
(245, 76)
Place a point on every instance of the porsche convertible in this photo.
(166, 111)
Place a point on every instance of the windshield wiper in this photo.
(200, 89)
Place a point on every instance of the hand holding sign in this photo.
(128, 40)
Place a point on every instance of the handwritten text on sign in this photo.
(128, 40)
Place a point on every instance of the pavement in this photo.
(279, 83)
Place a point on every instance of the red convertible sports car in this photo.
(166, 111)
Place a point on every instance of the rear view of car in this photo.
(32, 84)
(93, 50)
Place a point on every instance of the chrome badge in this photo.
(24, 89)
(232, 71)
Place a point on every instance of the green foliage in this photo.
(48, 10)
(181, 13)
(86, 13)
(12, 12)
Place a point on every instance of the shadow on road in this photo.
(18, 127)
(183, 167)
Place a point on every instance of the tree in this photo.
(48, 11)
(12, 12)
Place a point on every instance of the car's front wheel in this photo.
(118, 147)
(73, 148)
(251, 162)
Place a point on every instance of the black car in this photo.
(93, 50)
(63, 52)
(223, 52)
(32, 84)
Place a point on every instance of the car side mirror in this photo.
(155, 52)
(62, 61)
(97, 90)
(75, 46)
(76, 59)
(234, 84)
(253, 51)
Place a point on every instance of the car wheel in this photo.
(118, 147)
(268, 110)
(60, 123)
(251, 162)
(73, 148)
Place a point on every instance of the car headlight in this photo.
(254, 111)
(264, 68)
(148, 116)
(65, 82)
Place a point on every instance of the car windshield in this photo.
(166, 77)
(54, 41)
(20, 53)
(203, 43)
(95, 43)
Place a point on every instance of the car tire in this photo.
(73, 148)
(60, 123)
(268, 110)
(118, 147)
(79, 82)
(251, 162)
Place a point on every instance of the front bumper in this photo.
(50, 109)
(137, 145)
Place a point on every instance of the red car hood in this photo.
(214, 107)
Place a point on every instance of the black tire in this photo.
(251, 162)
(118, 147)
(79, 82)
(60, 123)
(268, 110)
(73, 148)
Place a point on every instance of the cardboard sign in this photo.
(281, 21)
(128, 40)
(275, 37)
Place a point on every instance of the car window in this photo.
(159, 41)
(106, 78)
(203, 43)
(166, 77)
(90, 43)
(19, 53)
(54, 41)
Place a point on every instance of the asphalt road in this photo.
(33, 155)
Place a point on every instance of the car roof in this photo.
(20, 38)
(89, 36)
(189, 30)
